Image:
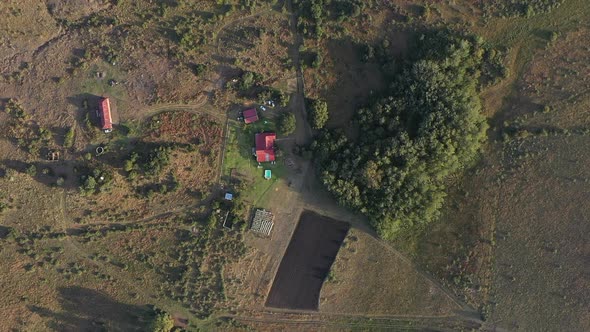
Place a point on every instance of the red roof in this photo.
(250, 115)
(265, 147)
(105, 114)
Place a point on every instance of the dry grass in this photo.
(512, 232)
(396, 288)
(513, 224)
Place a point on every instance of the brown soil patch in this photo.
(306, 262)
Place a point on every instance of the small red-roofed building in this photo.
(250, 115)
(104, 113)
(265, 151)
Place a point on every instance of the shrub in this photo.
(198, 69)
(31, 170)
(317, 61)
(247, 80)
(69, 138)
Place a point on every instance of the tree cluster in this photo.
(94, 181)
(427, 127)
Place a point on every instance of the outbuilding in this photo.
(104, 113)
(250, 115)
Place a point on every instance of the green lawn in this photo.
(239, 158)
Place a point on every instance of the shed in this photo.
(229, 196)
(104, 112)
(250, 115)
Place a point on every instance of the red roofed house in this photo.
(104, 113)
(265, 151)
(250, 115)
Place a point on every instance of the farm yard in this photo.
(133, 228)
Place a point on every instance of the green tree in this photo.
(318, 114)
(247, 80)
(163, 322)
(287, 123)
(89, 185)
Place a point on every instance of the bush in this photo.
(69, 138)
(198, 69)
(318, 114)
(287, 123)
(31, 170)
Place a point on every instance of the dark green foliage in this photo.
(287, 123)
(249, 79)
(493, 69)
(95, 181)
(427, 128)
(31, 170)
(313, 14)
(279, 97)
(198, 69)
(156, 160)
(318, 114)
(148, 158)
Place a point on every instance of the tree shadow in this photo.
(84, 309)
(52, 174)
(86, 104)
(359, 81)
(5, 232)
